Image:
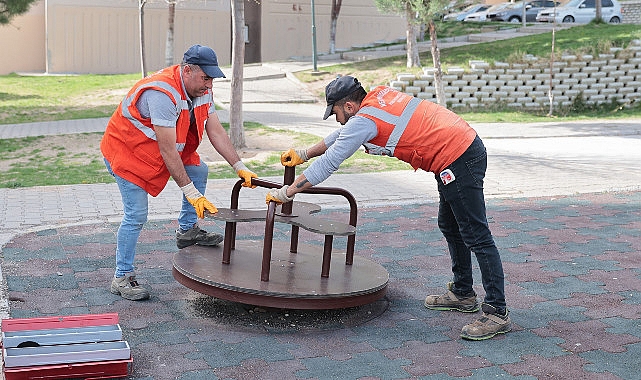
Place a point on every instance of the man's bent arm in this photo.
(300, 183)
(316, 149)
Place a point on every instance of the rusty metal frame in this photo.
(288, 179)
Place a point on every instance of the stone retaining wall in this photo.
(598, 79)
(631, 12)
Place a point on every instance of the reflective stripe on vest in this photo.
(181, 105)
(399, 122)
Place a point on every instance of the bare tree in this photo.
(169, 44)
(141, 24)
(413, 57)
(551, 84)
(236, 130)
(436, 59)
(336, 9)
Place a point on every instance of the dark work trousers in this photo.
(462, 220)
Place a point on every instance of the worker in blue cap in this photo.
(152, 136)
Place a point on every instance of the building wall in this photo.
(22, 42)
(287, 27)
(101, 36)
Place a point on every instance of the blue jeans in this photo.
(463, 222)
(135, 208)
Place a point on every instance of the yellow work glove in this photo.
(293, 157)
(245, 174)
(196, 199)
(279, 195)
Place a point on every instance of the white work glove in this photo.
(198, 200)
(279, 195)
(294, 157)
(244, 174)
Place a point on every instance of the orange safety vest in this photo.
(419, 132)
(129, 143)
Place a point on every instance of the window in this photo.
(588, 4)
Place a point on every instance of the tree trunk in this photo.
(236, 130)
(141, 24)
(438, 73)
(550, 93)
(413, 59)
(336, 8)
(169, 45)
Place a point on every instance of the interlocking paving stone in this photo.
(573, 285)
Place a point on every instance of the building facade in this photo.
(102, 36)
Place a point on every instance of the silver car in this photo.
(482, 16)
(514, 11)
(582, 11)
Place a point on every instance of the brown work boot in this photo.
(450, 301)
(128, 288)
(490, 324)
(197, 236)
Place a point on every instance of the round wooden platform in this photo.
(294, 283)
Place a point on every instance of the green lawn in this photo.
(26, 162)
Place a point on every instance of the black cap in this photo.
(337, 90)
(205, 58)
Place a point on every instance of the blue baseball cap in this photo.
(205, 58)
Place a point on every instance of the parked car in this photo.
(514, 11)
(459, 16)
(482, 15)
(582, 11)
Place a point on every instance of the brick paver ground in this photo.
(573, 287)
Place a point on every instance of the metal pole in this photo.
(314, 37)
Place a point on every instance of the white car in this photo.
(459, 16)
(482, 16)
(582, 11)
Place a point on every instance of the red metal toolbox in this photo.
(78, 346)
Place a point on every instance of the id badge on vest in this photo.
(447, 176)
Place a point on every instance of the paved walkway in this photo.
(564, 201)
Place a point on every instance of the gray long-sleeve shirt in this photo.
(341, 144)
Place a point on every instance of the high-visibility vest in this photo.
(130, 144)
(419, 132)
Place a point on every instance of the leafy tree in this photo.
(11, 8)
(405, 8)
(418, 13)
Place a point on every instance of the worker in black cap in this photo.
(152, 136)
(432, 138)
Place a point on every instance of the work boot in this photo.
(128, 288)
(490, 324)
(450, 301)
(198, 236)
